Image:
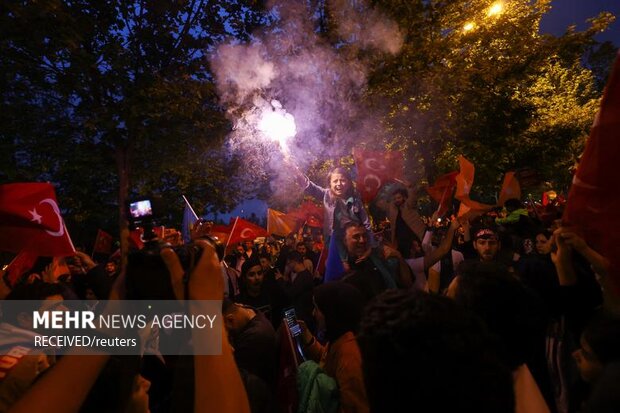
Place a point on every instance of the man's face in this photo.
(248, 245)
(301, 249)
(398, 199)
(356, 241)
(339, 184)
(487, 248)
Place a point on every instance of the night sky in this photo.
(567, 12)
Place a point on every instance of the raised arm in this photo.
(217, 382)
(444, 247)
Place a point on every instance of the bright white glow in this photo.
(496, 9)
(468, 27)
(278, 125)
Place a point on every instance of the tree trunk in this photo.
(122, 164)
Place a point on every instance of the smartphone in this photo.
(141, 209)
(293, 326)
(291, 322)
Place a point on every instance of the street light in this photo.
(468, 27)
(496, 9)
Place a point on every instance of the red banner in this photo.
(308, 213)
(442, 190)
(594, 200)
(30, 220)
(23, 262)
(103, 243)
(243, 230)
(375, 169)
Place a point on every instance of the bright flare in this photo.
(278, 125)
(496, 9)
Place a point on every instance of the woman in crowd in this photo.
(340, 357)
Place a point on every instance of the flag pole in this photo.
(92, 254)
(232, 231)
(189, 206)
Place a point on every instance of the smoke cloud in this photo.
(319, 83)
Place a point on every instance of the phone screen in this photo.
(291, 321)
(295, 329)
(141, 209)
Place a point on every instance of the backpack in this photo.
(318, 392)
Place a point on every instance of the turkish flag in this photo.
(23, 262)
(594, 200)
(441, 191)
(135, 238)
(30, 220)
(510, 189)
(243, 230)
(221, 232)
(374, 169)
(103, 242)
(308, 212)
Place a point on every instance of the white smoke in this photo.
(321, 85)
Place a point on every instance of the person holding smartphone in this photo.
(337, 311)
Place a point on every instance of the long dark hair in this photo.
(341, 305)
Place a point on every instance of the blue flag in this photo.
(189, 219)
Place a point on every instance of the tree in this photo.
(486, 85)
(114, 93)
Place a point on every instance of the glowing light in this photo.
(468, 27)
(278, 125)
(496, 9)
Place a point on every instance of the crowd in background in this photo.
(498, 312)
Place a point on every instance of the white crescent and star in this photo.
(249, 231)
(38, 218)
(371, 163)
(371, 178)
(35, 216)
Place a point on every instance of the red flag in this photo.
(160, 231)
(307, 211)
(245, 231)
(594, 200)
(287, 397)
(103, 243)
(441, 191)
(23, 262)
(135, 238)
(221, 232)
(374, 169)
(30, 220)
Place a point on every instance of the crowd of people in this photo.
(497, 312)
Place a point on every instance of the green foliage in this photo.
(117, 96)
(499, 93)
